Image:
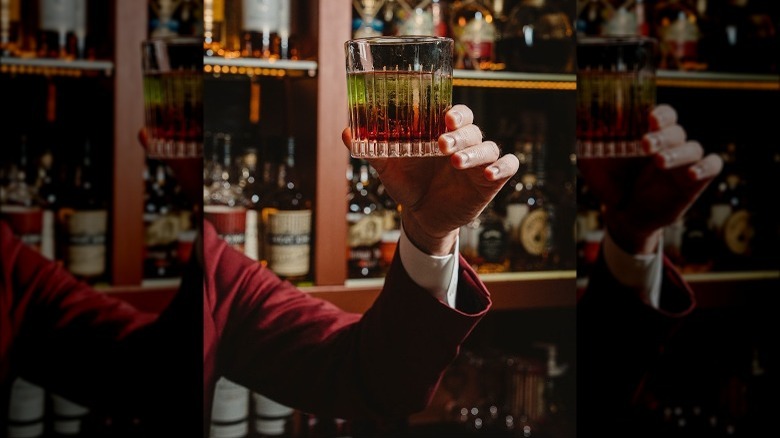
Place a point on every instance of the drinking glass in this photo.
(398, 90)
(173, 97)
(616, 91)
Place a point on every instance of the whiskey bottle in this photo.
(475, 35)
(538, 37)
(224, 202)
(85, 217)
(676, 26)
(162, 224)
(260, 28)
(48, 191)
(62, 28)
(488, 238)
(592, 17)
(365, 223)
(20, 207)
(288, 223)
(10, 27)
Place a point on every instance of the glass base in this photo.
(599, 149)
(384, 149)
(166, 149)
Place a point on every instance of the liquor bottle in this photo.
(743, 38)
(213, 26)
(254, 193)
(67, 417)
(20, 207)
(414, 19)
(592, 18)
(475, 35)
(287, 223)
(162, 23)
(85, 218)
(231, 38)
(287, 45)
(365, 222)
(10, 27)
(224, 203)
(48, 191)
(530, 218)
(230, 410)
(188, 17)
(487, 237)
(260, 28)
(538, 37)
(161, 223)
(676, 26)
(366, 22)
(271, 419)
(26, 410)
(62, 28)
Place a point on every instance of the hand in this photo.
(441, 194)
(641, 196)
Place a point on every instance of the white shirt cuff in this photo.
(638, 271)
(437, 274)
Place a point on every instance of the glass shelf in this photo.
(54, 67)
(217, 65)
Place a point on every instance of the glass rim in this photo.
(400, 40)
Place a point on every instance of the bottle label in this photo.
(478, 38)
(289, 236)
(25, 222)
(261, 15)
(492, 246)
(365, 230)
(87, 242)
(58, 15)
(738, 233)
(535, 232)
(162, 229)
(515, 213)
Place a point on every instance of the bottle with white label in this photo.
(365, 225)
(260, 28)
(287, 223)
(230, 410)
(62, 28)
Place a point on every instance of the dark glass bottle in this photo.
(288, 222)
(85, 216)
(365, 224)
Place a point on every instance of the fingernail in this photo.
(457, 117)
(654, 142)
(494, 170)
(667, 157)
(449, 143)
(696, 172)
(464, 157)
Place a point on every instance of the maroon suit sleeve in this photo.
(304, 352)
(60, 333)
(620, 343)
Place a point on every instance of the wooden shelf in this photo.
(724, 289)
(54, 67)
(717, 80)
(149, 296)
(520, 290)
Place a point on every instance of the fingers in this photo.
(678, 156)
(667, 137)
(458, 116)
(346, 137)
(478, 155)
(503, 168)
(662, 116)
(707, 168)
(460, 139)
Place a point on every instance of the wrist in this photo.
(431, 243)
(634, 241)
